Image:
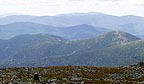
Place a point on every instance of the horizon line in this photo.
(63, 14)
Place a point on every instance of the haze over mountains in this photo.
(81, 31)
(131, 24)
(91, 39)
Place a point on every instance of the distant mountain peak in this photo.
(77, 13)
(121, 36)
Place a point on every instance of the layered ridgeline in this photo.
(131, 24)
(82, 31)
(114, 48)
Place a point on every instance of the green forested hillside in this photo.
(114, 48)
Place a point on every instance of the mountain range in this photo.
(131, 24)
(115, 48)
(79, 39)
(81, 31)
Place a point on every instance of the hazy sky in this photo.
(54, 7)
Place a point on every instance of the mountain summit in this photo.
(119, 36)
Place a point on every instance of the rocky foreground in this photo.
(133, 74)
